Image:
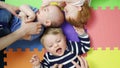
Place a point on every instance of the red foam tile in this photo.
(104, 28)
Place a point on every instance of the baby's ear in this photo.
(48, 22)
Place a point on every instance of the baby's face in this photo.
(55, 44)
(50, 13)
(71, 13)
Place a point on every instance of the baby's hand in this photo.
(62, 4)
(79, 30)
(35, 61)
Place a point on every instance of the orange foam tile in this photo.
(20, 59)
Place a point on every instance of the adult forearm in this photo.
(3, 4)
(11, 38)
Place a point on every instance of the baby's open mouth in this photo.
(59, 50)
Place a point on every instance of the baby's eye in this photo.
(44, 9)
(58, 40)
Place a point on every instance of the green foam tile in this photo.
(105, 3)
(35, 3)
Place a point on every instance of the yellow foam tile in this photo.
(104, 58)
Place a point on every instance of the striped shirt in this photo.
(72, 51)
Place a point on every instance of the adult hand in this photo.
(25, 17)
(27, 13)
(22, 16)
(57, 66)
(83, 62)
(31, 27)
(12, 9)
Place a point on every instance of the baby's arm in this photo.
(28, 11)
(84, 43)
(79, 30)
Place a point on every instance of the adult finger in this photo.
(38, 31)
(39, 25)
(55, 66)
(60, 66)
(76, 65)
(85, 62)
(81, 61)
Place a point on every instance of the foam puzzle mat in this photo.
(103, 28)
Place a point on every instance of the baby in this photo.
(60, 50)
(48, 16)
(77, 12)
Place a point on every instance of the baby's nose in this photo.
(56, 45)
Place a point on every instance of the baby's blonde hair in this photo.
(82, 16)
(53, 31)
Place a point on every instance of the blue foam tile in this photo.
(23, 44)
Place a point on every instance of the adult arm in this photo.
(10, 38)
(10, 8)
(26, 28)
(84, 44)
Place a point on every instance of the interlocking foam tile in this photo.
(101, 28)
(104, 28)
(94, 3)
(20, 59)
(105, 3)
(35, 3)
(104, 58)
(96, 58)
(26, 44)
